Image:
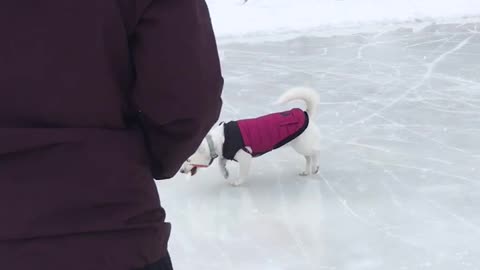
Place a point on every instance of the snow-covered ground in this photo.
(234, 17)
(399, 184)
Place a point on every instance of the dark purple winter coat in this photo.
(97, 97)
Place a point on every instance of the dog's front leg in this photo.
(222, 163)
(244, 159)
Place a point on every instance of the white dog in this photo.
(244, 139)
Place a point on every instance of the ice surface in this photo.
(399, 184)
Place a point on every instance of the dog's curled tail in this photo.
(308, 95)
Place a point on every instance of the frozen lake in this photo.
(399, 184)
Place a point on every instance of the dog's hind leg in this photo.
(315, 163)
(244, 160)
(308, 166)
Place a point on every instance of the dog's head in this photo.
(202, 158)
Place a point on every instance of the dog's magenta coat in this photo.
(265, 133)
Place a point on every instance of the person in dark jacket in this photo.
(97, 99)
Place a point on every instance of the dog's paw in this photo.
(236, 182)
(304, 174)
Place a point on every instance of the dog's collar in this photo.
(211, 148)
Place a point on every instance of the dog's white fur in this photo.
(306, 144)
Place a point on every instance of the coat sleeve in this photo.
(178, 84)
